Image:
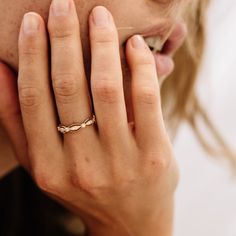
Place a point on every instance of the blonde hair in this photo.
(179, 97)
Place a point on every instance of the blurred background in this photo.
(206, 197)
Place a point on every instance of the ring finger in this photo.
(68, 75)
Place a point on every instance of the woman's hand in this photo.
(119, 178)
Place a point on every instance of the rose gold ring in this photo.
(76, 127)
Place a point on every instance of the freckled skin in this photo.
(139, 14)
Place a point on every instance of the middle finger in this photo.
(106, 76)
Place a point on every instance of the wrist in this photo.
(159, 225)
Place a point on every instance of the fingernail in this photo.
(60, 7)
(30, 23)
(100, 16)
(138, 42)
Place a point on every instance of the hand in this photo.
(117, 178)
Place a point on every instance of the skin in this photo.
(146, 148)
(137, 15)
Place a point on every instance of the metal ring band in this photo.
(76, 127)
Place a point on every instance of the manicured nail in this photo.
(100, 16)
(30, 23)
(138, 42)
(60, 7)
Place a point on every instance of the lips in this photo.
(169, 43)
(164, 41)
(156, 36)
(164, 47)
(155, 43)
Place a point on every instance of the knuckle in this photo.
(46, 182)
(30, 50)
(147, 95)
(160, 169)
(81, 183)
(159, 160)
(103, 36)
(62, 34)
(29, 54)
(92, 184)
(106, 91)
(85, 185)
(29, 97)
(145, 59)
(156, 168)
(65, 86)
(161, 164)
(62, 29)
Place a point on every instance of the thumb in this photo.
(10, 114)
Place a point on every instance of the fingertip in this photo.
(164, 64)
(137, 52)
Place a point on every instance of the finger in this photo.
(34, 89)
(106, 77)
(145, 93)
(10, 114)
(164, 66)
(68, 75)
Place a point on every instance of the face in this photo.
(145, 17)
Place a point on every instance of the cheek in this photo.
(178, 8)
(12, 12)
